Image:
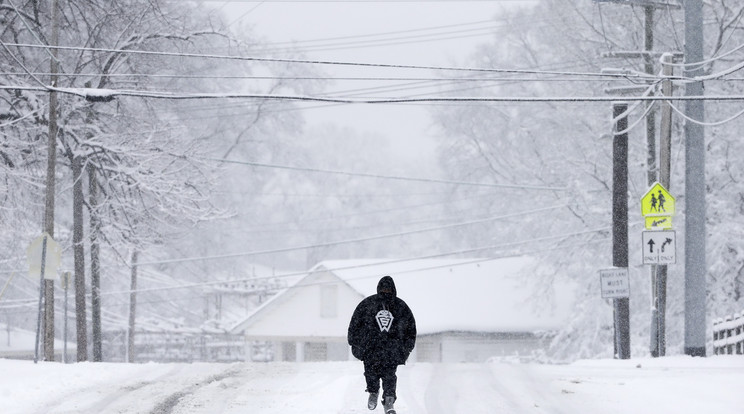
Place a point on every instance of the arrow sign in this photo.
(658, 222)
(659, 247)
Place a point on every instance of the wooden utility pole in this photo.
(78, 248)
(651, 115)
(658, 323)
(620, 223)
(651, 165)
(48, 285)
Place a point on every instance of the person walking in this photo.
(382, 334)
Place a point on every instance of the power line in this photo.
(461, 262)
(422, 29)
(715, 123)
(383, 262)
(100, 94)
(423, 38)
(336, 63)
(432, 256)
(349, 241)
(321, 78)
(387, 177)
(372, 1)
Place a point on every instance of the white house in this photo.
(466, 310)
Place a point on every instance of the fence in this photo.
(175, 347)
(728, 335)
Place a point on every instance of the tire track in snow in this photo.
(111, 395)
(167, 405)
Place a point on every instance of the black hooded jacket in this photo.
(382, 328)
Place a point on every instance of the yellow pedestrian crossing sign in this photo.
(657, 202)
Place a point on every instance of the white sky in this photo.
(407, 126)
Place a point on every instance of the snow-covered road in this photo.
(675, 385)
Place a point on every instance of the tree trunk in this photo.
(50, 185)
(132, 310)
(95, 265)
(79, 258)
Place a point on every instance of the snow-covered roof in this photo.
(478, 295)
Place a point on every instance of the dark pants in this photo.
(376, 371)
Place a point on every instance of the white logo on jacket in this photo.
(384, 320)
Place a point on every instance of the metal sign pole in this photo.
(41, 297)
(66, 281)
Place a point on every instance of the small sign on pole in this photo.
(50, 254)
(659, 247)
(615, 283)
(43, 255)
(657, 207)
(658, 223)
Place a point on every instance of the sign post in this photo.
(658, 248)
(65, 284)
(41, 297)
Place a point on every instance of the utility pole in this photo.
(620, 223)
(658, 273)
(48, 285)
(79, 256)
(651, 116)
(695, 264)
(651, 165)
(658, 323)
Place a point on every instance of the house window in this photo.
(328, 301)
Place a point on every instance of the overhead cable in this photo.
(698, 122)
(379, 263)
(94, 94)
(337, 63)
(348, 241)
(388, 177)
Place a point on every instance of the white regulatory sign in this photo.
(659, 247)
(615, 283)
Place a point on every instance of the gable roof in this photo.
(478, 295)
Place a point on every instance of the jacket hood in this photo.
(387, 283)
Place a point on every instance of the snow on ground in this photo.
(679, 385)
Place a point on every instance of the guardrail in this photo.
(728, 335)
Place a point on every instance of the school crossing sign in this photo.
(658, 207)
(659, 246)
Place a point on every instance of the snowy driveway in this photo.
(679, 385)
